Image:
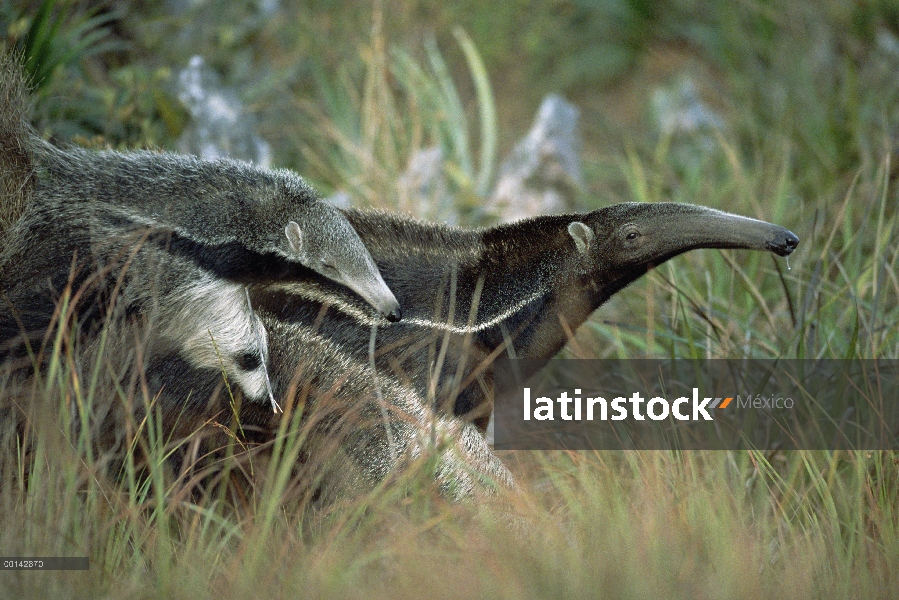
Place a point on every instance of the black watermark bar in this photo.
(44, 563)
(687, 404)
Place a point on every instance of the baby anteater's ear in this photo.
(581, 234)
(295, 238)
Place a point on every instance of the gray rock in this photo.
(340, 199)
(679, 109)
(423, 189)
(220, 125)
(543, 173)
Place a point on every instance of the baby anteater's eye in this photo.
(633, 235)
(328, 268)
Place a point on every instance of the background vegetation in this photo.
(808, 101)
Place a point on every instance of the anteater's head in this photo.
(323, 240)
(620, 243)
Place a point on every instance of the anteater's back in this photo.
(16, 169)
(214, 202)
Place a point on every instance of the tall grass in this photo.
(372, 123)
(600, 524)
(606, 524)
(837, 296)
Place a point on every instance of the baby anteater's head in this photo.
(322, 239)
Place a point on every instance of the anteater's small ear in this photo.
(294, 237)
(581, 234)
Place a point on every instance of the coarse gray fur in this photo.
(470, 297)
(213, 226)
(126, 279)
(16, 168)
(272, 214)
(519, 290)
(269, 213)
(142, 284)
(361, 427)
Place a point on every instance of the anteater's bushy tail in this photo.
(16, 135)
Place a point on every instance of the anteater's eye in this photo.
(633, 235)
(328, 268)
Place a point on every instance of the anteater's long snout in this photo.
(383, 299)
(385, 303)
(784, 242)
(376, 292)
(394, 315)
(697, 227)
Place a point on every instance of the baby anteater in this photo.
(170, 239)
(177, 238)
(222, 204)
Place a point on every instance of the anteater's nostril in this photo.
(783, 243)
(792, 241)
(395, 315)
